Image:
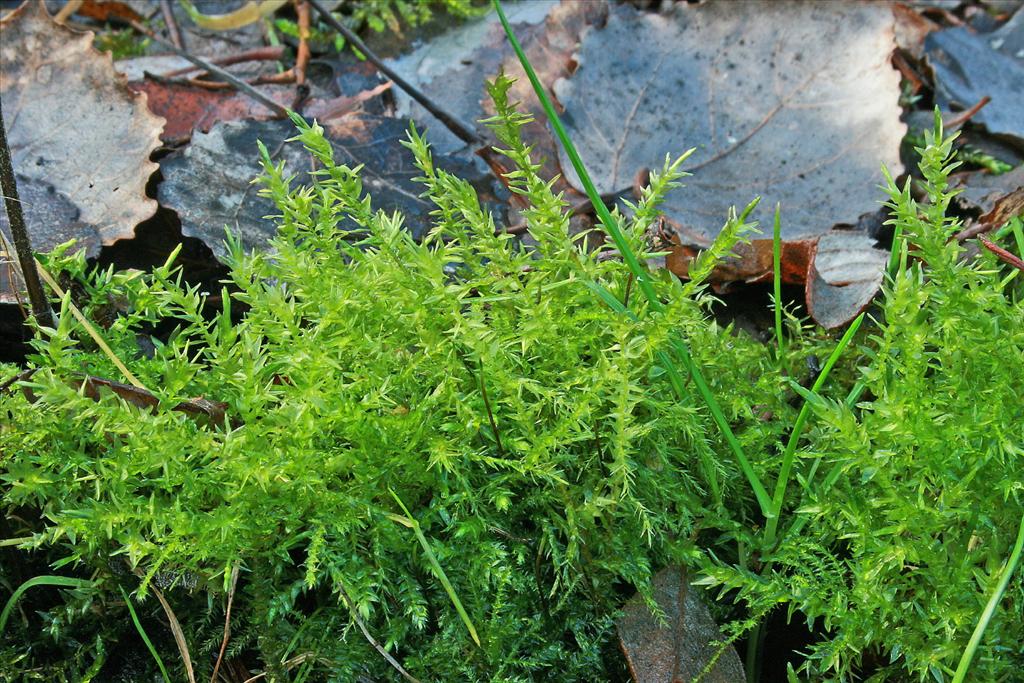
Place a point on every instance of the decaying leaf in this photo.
(969, 66)
(187, 108)
(210, 183)
(846, 273)
(452, 68)
(677, 649)
(997, 198)
(798, 107)
(74, 125)
(550, 51)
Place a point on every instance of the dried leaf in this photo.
(74, 125)
(911, 29)
(799, 107)
(188, 108)
(677, 649)
(846, 273)
(452, 68)
(969, 66)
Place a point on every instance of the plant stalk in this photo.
(22, 243)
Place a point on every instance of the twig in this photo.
(373, 641)
(216, 70)
(67, 10)
(172, 24)
(13, 272)
(490, 414)
(965, 116)
(22, 243)
(270, 53)
(227, 622)
(289, 664)
(1002, 254)
(302, 53)
(23, 375)
(453, 124)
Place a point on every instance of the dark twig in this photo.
(1002, 254)
(22, 244)
(215, 70)
(460, 129)
(172, 25)
(490, 413)
(629, 288)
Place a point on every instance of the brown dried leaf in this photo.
(74, 125)
(187, 108)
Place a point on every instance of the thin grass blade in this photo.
(630, 258)
(145, 638)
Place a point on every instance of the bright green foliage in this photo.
(382, 14)
(906, 533)
(538, 446)
(467, 438)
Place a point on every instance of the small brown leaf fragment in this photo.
(72, 122)
(678, 649)
(105, 10)
(911, 29)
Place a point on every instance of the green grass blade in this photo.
(600, 209)
(777, 277)
(411, 522)
(145, 638)
(990, 607)
(639, 273)
(61, 581)
(789, 456)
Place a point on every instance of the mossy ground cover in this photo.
(455, 459)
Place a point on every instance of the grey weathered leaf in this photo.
(799, 106)
(74, 125)
(452, 68)
(969, 66)
(210, 184)
(846, 273)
